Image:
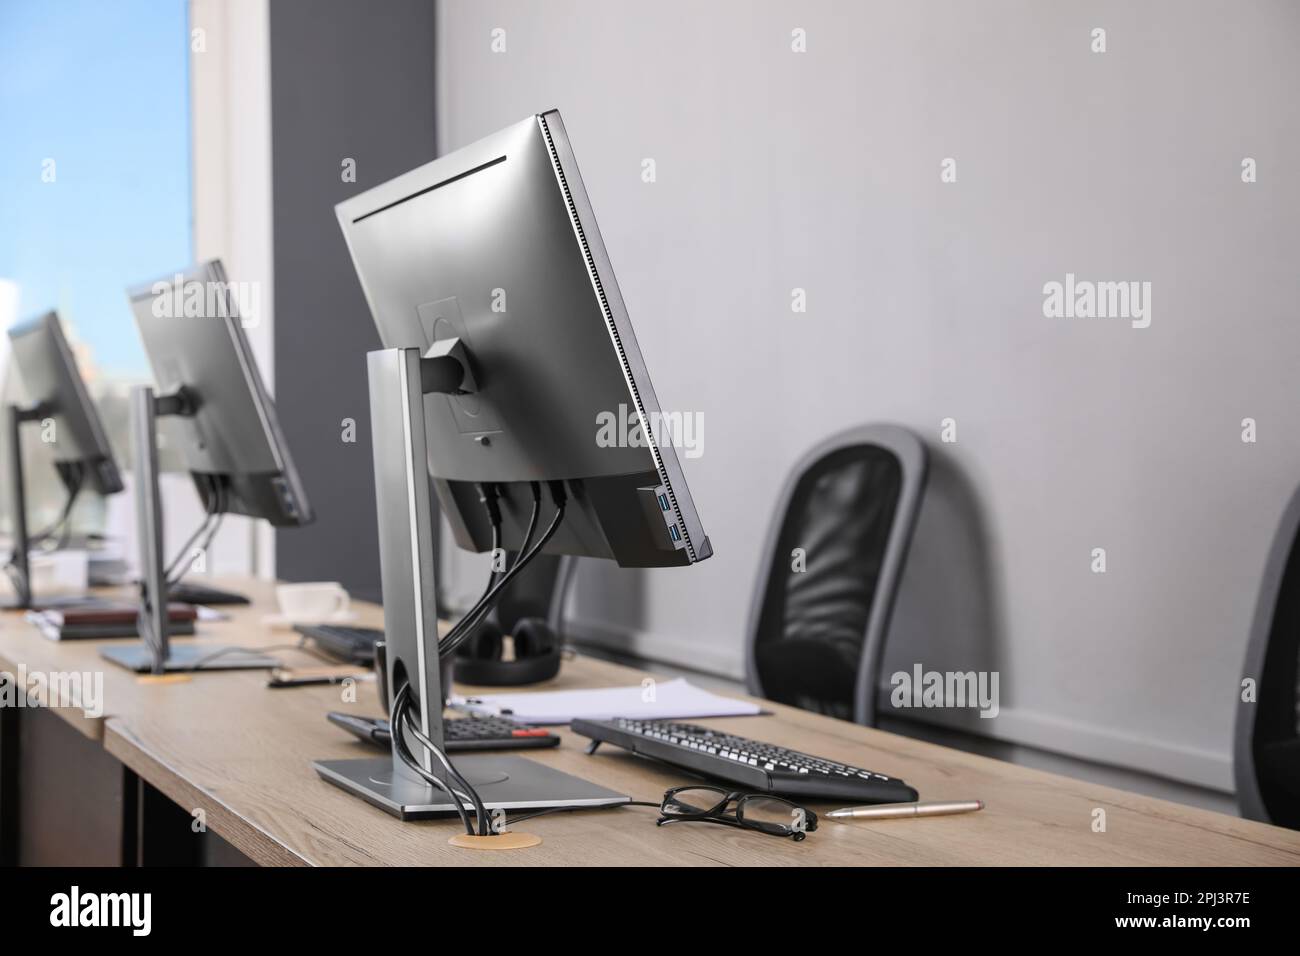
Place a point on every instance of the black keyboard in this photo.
(187, 592)
(356, 645)
(459, 733)
(748, 764)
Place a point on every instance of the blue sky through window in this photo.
(101, 88)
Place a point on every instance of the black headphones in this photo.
(537, 655)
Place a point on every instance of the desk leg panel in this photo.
(9, 717)
(72, 798)
(243, 842)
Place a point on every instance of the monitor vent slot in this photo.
(609, 322)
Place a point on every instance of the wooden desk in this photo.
(224, 743)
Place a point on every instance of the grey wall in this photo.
(821, 171)
(348, 80)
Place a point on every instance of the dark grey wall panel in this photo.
(75, 801)
(353, 81)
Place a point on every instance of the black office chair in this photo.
(816, 635)
(1266, 757)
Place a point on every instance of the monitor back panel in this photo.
(489, 245)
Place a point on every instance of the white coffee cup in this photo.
(59, 572)
(312, 601)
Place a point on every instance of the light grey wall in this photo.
(821, 170)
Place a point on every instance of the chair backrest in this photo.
(1266, 752)
(830, 571)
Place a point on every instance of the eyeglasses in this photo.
(735, 808)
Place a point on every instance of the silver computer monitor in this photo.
(56, 401)
(508, 350)
(209, 404)
(52, 381)
(192, 331)
(496, 244)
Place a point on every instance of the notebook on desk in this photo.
(104, 620)
(658, 700)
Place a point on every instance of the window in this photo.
(94, 181)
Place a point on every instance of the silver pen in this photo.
(888, 811)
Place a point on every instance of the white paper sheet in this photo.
(662, 700)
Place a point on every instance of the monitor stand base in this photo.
(58, 602)
(183, 657)
(508, 783)
(54, 603)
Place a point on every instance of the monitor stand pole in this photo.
(19, 564)
(399, 381)
(154, 621)
(156, 654)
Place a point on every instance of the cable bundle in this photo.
(404, 712)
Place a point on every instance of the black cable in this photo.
(64, 525)
(202, 662)
(401, 719)
(569, 809)
(528, 536)
(207, 540)
(61, 522)
(496, 546)
(170, 575)
(470, 618)
(217, 502)
(459, 631)
(208, 517)
(66, 521)
(171, 568)
(457, 800)
(489, 495)
(223, 505)
(401, 715)
(405, 755)
(11, 563)
(480, 811)
(464, 627)
(73, 492)
(171, 578)
(532, 520)
(302, 645)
